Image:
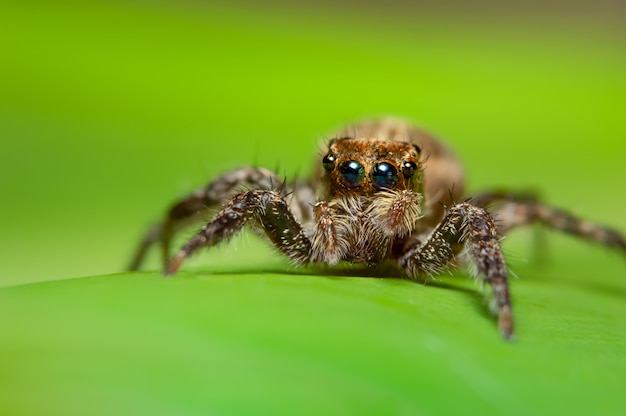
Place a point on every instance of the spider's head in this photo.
(365, 166)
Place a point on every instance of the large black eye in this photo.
(384, 175)
(409, 169)
(352, 173)
(329, 161)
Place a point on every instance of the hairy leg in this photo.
(268, 212)
(515, 210)
(194, 207)
(471, 227)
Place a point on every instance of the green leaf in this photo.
(305, 341)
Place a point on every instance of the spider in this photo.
(388, 195)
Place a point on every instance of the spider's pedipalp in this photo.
(396, 212)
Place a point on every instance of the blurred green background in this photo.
(110, 110)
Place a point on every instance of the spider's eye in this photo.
(408, 169)
(384, 175)
(417, 149)
(329, 161)
(352, 173)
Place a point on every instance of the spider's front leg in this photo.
(472, 228)
(267, 210)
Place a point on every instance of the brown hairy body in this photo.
(385, 192)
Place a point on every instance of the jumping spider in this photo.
(387, 194)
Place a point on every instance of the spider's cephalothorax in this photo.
(386, 193)
(362, 167)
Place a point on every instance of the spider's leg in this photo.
(471, 227)
(152, 236)
(515, 210)
(489, 199)
(267, 210)
(194, 208)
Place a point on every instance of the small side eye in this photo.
(329, 162)
(409, 169)
(417, 149)
(384, 175)
(352, 173)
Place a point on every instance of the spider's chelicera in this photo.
(387, 193)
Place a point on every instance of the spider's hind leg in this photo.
(194, 208)
(515, 210)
